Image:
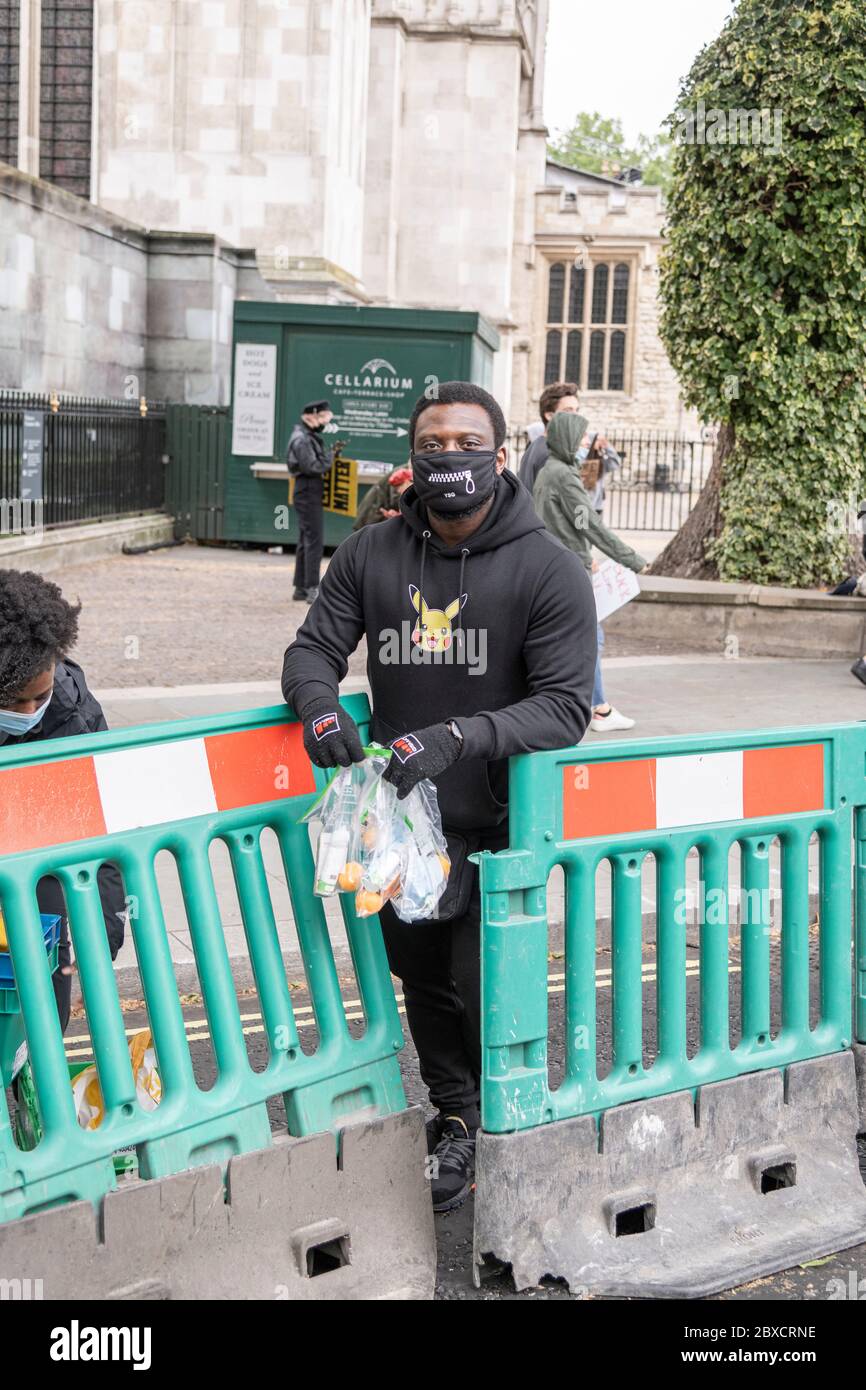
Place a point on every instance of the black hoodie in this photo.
(513, 617)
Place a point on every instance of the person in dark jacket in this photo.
(43, 694)
(308, 462)
(481, 638)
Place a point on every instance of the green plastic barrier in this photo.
(66, 807)
(581, 806)
(860, 908)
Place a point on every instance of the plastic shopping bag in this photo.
(379, 848)
(337, 809)
(426, 867)
(89, 1105)
(384, 843)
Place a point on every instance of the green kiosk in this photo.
(371, 364)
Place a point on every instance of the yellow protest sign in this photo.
(340, 488)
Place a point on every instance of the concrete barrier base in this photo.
(290, 1222)
(672, 1199)
(859, 1050)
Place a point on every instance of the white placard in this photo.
(254, 398)
(613, 586)
(18, 1060)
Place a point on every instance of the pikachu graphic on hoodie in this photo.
(433, 631)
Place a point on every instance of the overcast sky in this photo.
(624, 58)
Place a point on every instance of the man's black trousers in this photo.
(308, 556)
(439, 964)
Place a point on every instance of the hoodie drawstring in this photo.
(464, 556)
(426, 537)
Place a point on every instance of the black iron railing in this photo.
(100, 458)
(658, 483)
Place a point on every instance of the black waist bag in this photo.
(461, 878)
(462, 875)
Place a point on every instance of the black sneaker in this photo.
(311, 595)
(434, 1132)
(859, 670)
(299, 595)
(452, 1164)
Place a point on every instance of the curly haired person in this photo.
(43, 694)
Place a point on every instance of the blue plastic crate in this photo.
(51, 937)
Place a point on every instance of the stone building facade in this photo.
(356, 151)
(594, 310)
(93, 305)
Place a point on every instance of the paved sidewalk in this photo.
(202, 615)
(666, 694)
(647, 543)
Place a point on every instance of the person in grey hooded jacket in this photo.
(568, 512)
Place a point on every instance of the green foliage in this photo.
(597, 144)
(763, 280)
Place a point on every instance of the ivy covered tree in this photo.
(763, 284)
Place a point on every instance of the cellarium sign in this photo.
(371, 403)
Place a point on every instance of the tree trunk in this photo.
(684, 557)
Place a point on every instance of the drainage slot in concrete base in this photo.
(777, 1176)
(634, 1221)
(325, 1258)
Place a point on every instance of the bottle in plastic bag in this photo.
(383, 843)
(427, 866)
(338, 866)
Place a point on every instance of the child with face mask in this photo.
(43, 694)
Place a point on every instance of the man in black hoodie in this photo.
(43, 694)
(481, 634)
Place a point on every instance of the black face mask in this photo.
(452, 484)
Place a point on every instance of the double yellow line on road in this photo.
(198, 1031)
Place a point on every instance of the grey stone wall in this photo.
(73, 293)
(241, 119)
(93, 305)
(455, 151)
(193, 282)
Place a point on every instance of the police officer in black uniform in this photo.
(308, 462)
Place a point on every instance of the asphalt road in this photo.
(454, 1230)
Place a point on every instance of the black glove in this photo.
(331, 735)
(423, 754)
